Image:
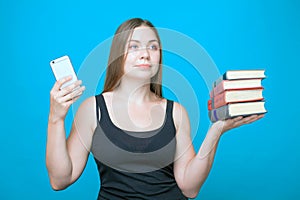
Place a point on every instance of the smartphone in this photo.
(63, 67)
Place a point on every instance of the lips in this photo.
(144, 65)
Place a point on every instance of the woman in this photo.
(140, 140)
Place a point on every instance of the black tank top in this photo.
(135, 165)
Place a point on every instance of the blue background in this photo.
(257, 161)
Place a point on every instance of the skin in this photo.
(132, 100)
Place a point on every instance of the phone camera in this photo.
(53, 62)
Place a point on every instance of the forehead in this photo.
(143, 34)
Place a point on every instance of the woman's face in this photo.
(143, 54)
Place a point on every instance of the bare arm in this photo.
(191, 169)
(66, 158)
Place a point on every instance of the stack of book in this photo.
(237, 93)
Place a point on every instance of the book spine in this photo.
(219, 80)
(219, 113)
(211, 93)
(210, 104)
(218, 89)
(220, 100)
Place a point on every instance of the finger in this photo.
(236, 119)
(247, 119)
(251, 119)
(240, 121)
(61, 81)
(63, 99)
(70, 88)
(256, 119)
(233, 120)
(74, 99)
(58, 94)
(261, 116)
(70, 102)
(73, 94)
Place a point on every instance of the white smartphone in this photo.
(63, 67)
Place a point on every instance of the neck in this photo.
(134, 91)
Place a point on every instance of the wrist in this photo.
(55, 120)
(219, 128)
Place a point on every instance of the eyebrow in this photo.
(140, 41)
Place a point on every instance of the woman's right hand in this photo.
(62, 99)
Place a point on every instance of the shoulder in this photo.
(87, 111)
(107, 94)
(180, 115)
(88, 103)
(178, 109)
(88, 106)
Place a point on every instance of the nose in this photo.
(144, 54)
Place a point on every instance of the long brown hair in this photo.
(117, 56)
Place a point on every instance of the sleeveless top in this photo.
(135, 165)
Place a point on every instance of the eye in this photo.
(153, 47)
(133, 46)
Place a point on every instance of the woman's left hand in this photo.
(229, 124)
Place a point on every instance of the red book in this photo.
(236, 85)
(235, 96)
(209, 104)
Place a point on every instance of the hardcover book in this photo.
(241, 74)
(234, 96)
(237, 109)
(236, 84)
